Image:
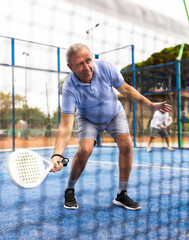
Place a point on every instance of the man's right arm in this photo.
(62, 139)
(162, 127)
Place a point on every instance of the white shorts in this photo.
(88, 129)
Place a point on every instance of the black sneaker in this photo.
(125, 201)
(70, 201)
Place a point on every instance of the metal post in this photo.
(134, 104)
(99, 144)
(58, 67)
(13, 105)
(178, 85)
(91, 31)
(26, 55)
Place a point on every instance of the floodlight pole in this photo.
(91, 31)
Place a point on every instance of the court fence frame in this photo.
(13, 66)
(96, 56)
(177, 90)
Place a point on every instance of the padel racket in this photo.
(168, 121)
(27, 169)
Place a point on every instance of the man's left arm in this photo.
(133, 95)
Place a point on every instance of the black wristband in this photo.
(57, 155)
(64, 160)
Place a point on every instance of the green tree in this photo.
(163, 76)
(6, 107)
(34, 116)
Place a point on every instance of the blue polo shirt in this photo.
(96, 101)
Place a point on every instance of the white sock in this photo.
(122, 186)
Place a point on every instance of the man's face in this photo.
(82, 65)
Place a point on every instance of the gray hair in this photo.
(73, 49)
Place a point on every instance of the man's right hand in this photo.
(56, 160)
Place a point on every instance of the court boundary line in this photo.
(142, 165)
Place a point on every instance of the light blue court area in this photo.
(159, 182)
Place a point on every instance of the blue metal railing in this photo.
(58, 71)
(13, 66)
(13, 107)
(134, 104)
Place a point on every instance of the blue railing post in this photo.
(99, 135)
(96, 56)
(58, 69)
(134, 104)
(178, 86)
(13, 94)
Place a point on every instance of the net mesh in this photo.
(159, 180)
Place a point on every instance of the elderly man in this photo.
(89, 87)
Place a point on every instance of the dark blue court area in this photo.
(159, 182)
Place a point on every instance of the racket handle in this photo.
(64, 160)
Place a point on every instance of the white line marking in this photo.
(142, 165)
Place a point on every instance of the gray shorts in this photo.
(155, 131)
(88, 129)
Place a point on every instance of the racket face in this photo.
(168, 121)
(27, 169)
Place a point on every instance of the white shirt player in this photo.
(159, 118)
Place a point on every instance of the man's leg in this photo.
(125, 165)
(124, 144)
(149, 143)
(78, 165)
(168, 146)
(81, 157)
(153, 133)
(164, 134)
(167, 141)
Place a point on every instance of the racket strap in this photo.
(64, 160)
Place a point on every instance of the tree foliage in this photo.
(34, 116)
(163, 77)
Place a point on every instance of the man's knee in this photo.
(125, 147)
(125, 144)
(85, 150)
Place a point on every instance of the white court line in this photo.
(143, 165)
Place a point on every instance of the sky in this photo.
(170, 8)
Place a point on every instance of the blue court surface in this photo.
(159, 182)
